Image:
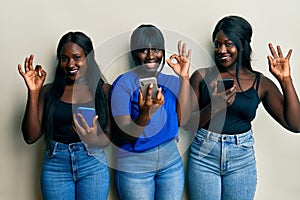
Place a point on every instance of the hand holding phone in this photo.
(87, 113)
(144, 85)
(224, 84)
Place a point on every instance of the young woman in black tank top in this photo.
(74, 164)
(221, 160)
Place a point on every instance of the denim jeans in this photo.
(70, 172)
(222, 167)
(155, 174)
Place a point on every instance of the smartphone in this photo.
(87, 113)
(144, 84)
(225, 84)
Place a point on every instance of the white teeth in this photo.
(151, 64)
(224, 57)
(73, 71)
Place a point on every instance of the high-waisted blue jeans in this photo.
(71, 172)
(222, 167)
(155, 174)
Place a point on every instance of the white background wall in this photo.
(34, 26)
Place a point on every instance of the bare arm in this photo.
(130, 130)
(285, 107)
(181, 68)
(34, 79)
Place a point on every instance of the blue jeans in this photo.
(222, 167)
(155, 174)
(70, 172)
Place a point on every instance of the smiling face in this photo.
(150, 58)
(73, 61)
(147, 46)
(225, 50)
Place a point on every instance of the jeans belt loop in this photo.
(237, 141)
(207, 137)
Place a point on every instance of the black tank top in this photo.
(63, 121)
(239, 115)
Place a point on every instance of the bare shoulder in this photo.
(45, 89)
(208, 73)
(265, 81)
(266, 85)
(198, 74)
(106, 88)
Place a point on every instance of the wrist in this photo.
(285, 78)
(285, 82)
(184, 77)
(143, 118)
(33, 92)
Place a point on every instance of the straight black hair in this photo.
(239, 31)
(94, 77)
(143, 37)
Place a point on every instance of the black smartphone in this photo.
(144, 84)
(225, 84)
(87, 113)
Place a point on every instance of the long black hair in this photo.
(238, 30)
(94, 77)
(143, 36)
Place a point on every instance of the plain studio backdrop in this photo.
(34, 26)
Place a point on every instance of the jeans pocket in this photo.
(49, 152)
(247, 144)
(201, 145)
(94, 151)
(198, 140)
